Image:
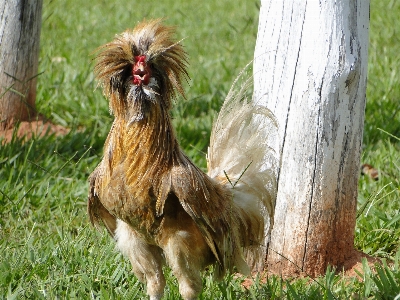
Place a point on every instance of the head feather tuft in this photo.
(164, 54)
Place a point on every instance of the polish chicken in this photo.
(159, 207)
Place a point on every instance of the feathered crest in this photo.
(165, 56)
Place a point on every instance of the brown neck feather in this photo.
(147, 148)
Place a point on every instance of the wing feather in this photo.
(97, 212)
(209, 204)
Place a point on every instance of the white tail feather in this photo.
(243, 154)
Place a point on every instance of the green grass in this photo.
(48, 250)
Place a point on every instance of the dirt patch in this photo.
(351, 268)
(354, 264)
(27, 130)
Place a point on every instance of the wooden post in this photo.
(20, 22)
(310, 69)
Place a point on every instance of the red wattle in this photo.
(141, 71)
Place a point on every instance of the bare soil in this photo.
(27, 130)
(351, 267)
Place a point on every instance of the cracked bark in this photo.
(20, 23)
(311, 61)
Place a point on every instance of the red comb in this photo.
(140, 58)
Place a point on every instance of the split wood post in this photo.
(310, 69)
(20, 23)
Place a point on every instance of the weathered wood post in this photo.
(20, 23)
(310, 69)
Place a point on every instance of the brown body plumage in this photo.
(157, 204)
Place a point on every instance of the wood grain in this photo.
(310, 69)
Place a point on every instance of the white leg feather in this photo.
(146, 260)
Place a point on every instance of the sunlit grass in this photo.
(49, 250)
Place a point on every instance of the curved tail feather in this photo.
(243, 155)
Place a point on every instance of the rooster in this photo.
(158, 206)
